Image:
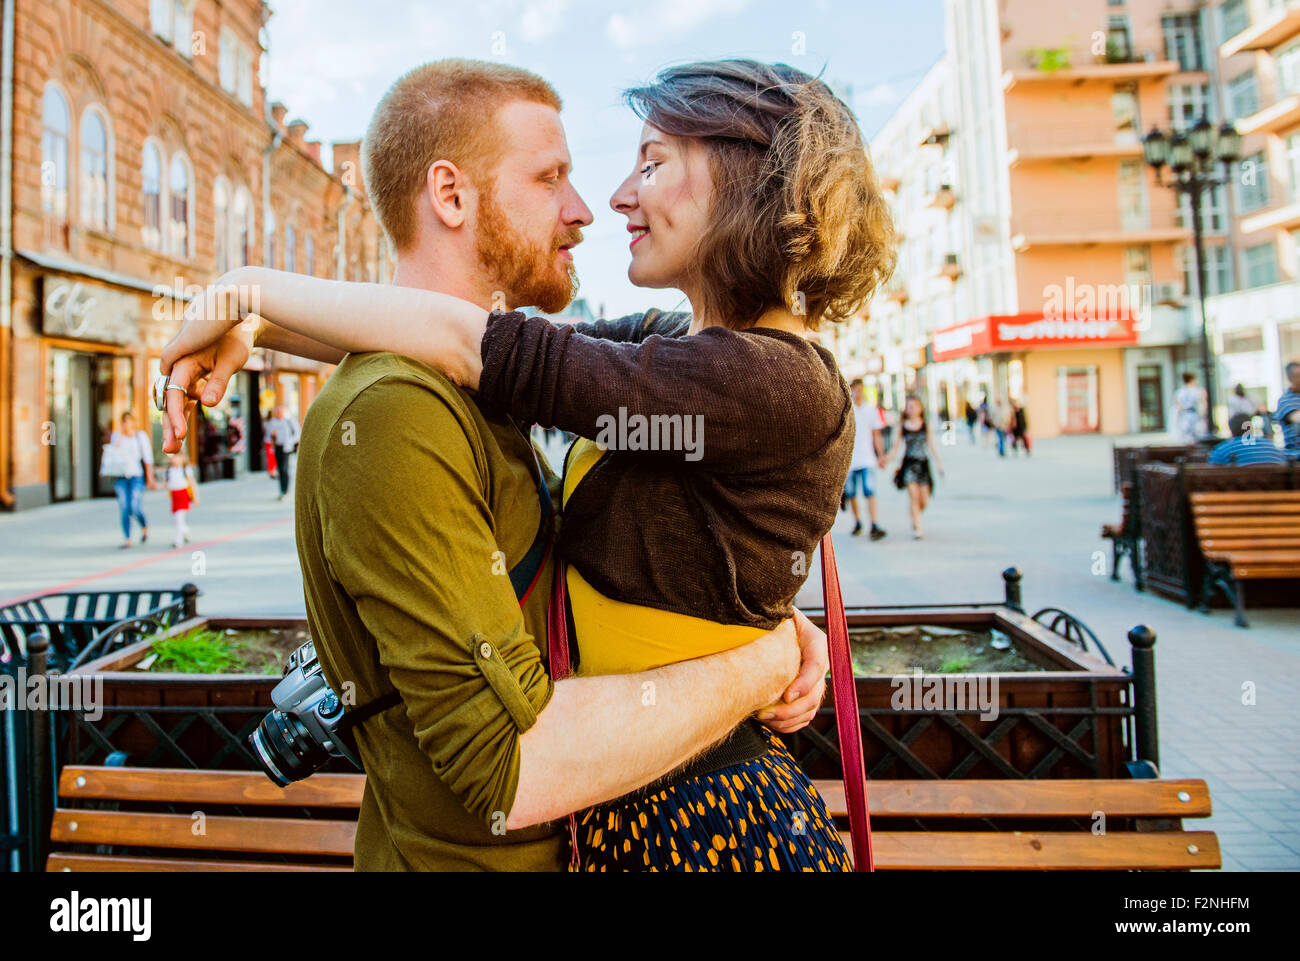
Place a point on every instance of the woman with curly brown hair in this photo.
(715, 445)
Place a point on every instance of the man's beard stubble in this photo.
(525, 271)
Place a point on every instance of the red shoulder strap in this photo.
(557, 656)
(849, 727)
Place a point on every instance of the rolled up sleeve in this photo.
(409, 535)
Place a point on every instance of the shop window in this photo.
(1078, 407)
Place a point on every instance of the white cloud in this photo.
(879, 95)
(541, 18)
(666, 19)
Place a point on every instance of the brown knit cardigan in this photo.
(730, 536)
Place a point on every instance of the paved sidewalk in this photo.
(1041, 514)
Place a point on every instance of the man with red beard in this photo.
(421, 521)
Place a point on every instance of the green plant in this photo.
(196, 652)
(955, 665)
(1050, 59)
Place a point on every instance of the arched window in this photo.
(309, 255)
(243, 227)
(178, 218)
(182, 26)
(221, 224)
(96, 174)
(290, 249)
(55, 124)
(151, 177)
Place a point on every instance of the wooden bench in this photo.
(1123, 536)
(1246, 535)
(1143, 823)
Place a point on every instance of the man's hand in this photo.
(204, 374)
(799, 703)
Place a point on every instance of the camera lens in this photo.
(286, 748)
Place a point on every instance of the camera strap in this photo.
(523, 578)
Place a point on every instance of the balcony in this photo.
(1090, 227)
(1275, 118)
(1279, 217)
(935, 135)
(942, 198)
(1104, 73)
(1039, 143)
(950, 267)
(1272, 31)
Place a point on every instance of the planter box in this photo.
(1075, 721)
(175, 720)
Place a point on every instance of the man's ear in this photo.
(447, 192)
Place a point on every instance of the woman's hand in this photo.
(212, 315)
(204, 375)
(799, 704)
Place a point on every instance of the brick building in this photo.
(140, 161)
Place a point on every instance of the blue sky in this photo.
(331, 60)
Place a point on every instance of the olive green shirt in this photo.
(411, 508)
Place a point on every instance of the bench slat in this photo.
(1233, 497)
(88, 863)
(1246, 509)
(1044, 851)
(220, 833)
(1249, 542)
(1045, 799)
(188, 786)
(1276, 558)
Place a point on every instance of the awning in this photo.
(1001, 333)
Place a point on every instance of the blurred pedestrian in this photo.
(283, 432)
(1019, 426)
(972, 417)
(1239, 403)
(1244, 448)
(916, 447)
(999, 419)
(1288, 408)
(867, 448)
(184, 495)
(1189, 402)
(128, 459)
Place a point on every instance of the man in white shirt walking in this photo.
(283, 433)
(868, 448)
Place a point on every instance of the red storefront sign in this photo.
(1000, 333)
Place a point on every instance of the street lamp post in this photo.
(1192, 157)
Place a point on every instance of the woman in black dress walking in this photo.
(916, 445)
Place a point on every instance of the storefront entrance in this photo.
(1151, 397)
(86, 395)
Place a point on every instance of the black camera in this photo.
(307, 727)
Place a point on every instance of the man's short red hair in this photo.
(443, 110)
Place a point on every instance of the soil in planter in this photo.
(940, 650)
(225, 651)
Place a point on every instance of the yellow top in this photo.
(618, 638)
